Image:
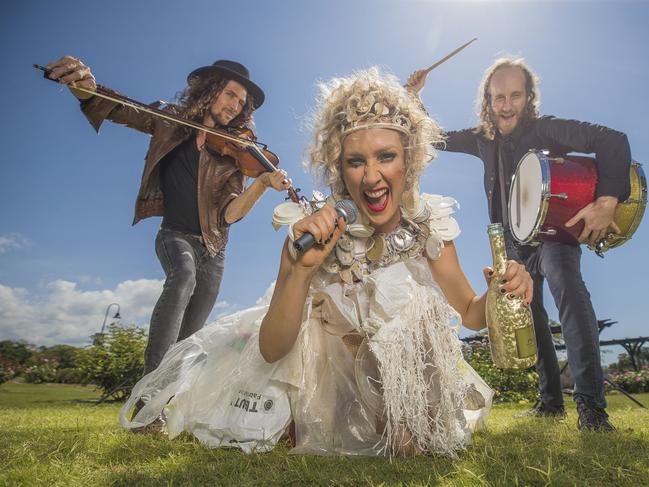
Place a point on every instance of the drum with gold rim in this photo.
(548, 191)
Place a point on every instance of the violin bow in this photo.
(123, 100)
(251, 146)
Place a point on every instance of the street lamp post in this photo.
(117, 316)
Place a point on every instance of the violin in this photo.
(251, 157)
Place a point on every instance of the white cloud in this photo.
(66, 314)
(12, 241)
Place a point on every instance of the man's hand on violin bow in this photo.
(72, 72)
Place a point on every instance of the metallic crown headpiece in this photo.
(365, 112)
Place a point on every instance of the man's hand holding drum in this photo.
(598, 219)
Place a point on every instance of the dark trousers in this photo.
(189, 293)
(560, 264)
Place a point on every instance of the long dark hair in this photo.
(196, 100)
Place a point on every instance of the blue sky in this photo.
(67, 247)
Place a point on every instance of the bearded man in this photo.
(198, 192)
(509, 127)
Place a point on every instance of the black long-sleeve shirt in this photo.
(559, 136)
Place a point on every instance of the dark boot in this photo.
(593, 419)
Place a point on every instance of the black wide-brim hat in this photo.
(234, 71)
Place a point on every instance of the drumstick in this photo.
(449, 56)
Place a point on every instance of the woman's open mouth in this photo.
(377, 200)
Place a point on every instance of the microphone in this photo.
(344, 208)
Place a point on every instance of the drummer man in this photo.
(509, 126)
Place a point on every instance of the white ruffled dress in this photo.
(374, 355)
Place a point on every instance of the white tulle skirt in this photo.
(371, 358)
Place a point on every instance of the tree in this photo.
(115, 361)
(64, 355)
(624, 361)
(17, 352)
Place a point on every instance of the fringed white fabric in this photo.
(423, 391)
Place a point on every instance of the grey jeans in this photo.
(560, 264)
(189, 293)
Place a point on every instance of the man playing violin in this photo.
(509, 126)
(198, 192)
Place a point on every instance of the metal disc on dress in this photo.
(357, 271)
(360, 230)
(433, 247)
(375, 252)
(345, 257)
(423, 215)
(346, 276)
(345, 243)
(402, 240)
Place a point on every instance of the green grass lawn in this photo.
(54, 434)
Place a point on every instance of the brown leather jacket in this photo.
(219, 179)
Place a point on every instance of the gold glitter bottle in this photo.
(509, 320)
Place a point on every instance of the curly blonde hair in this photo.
(368, 97)
(486, 124)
